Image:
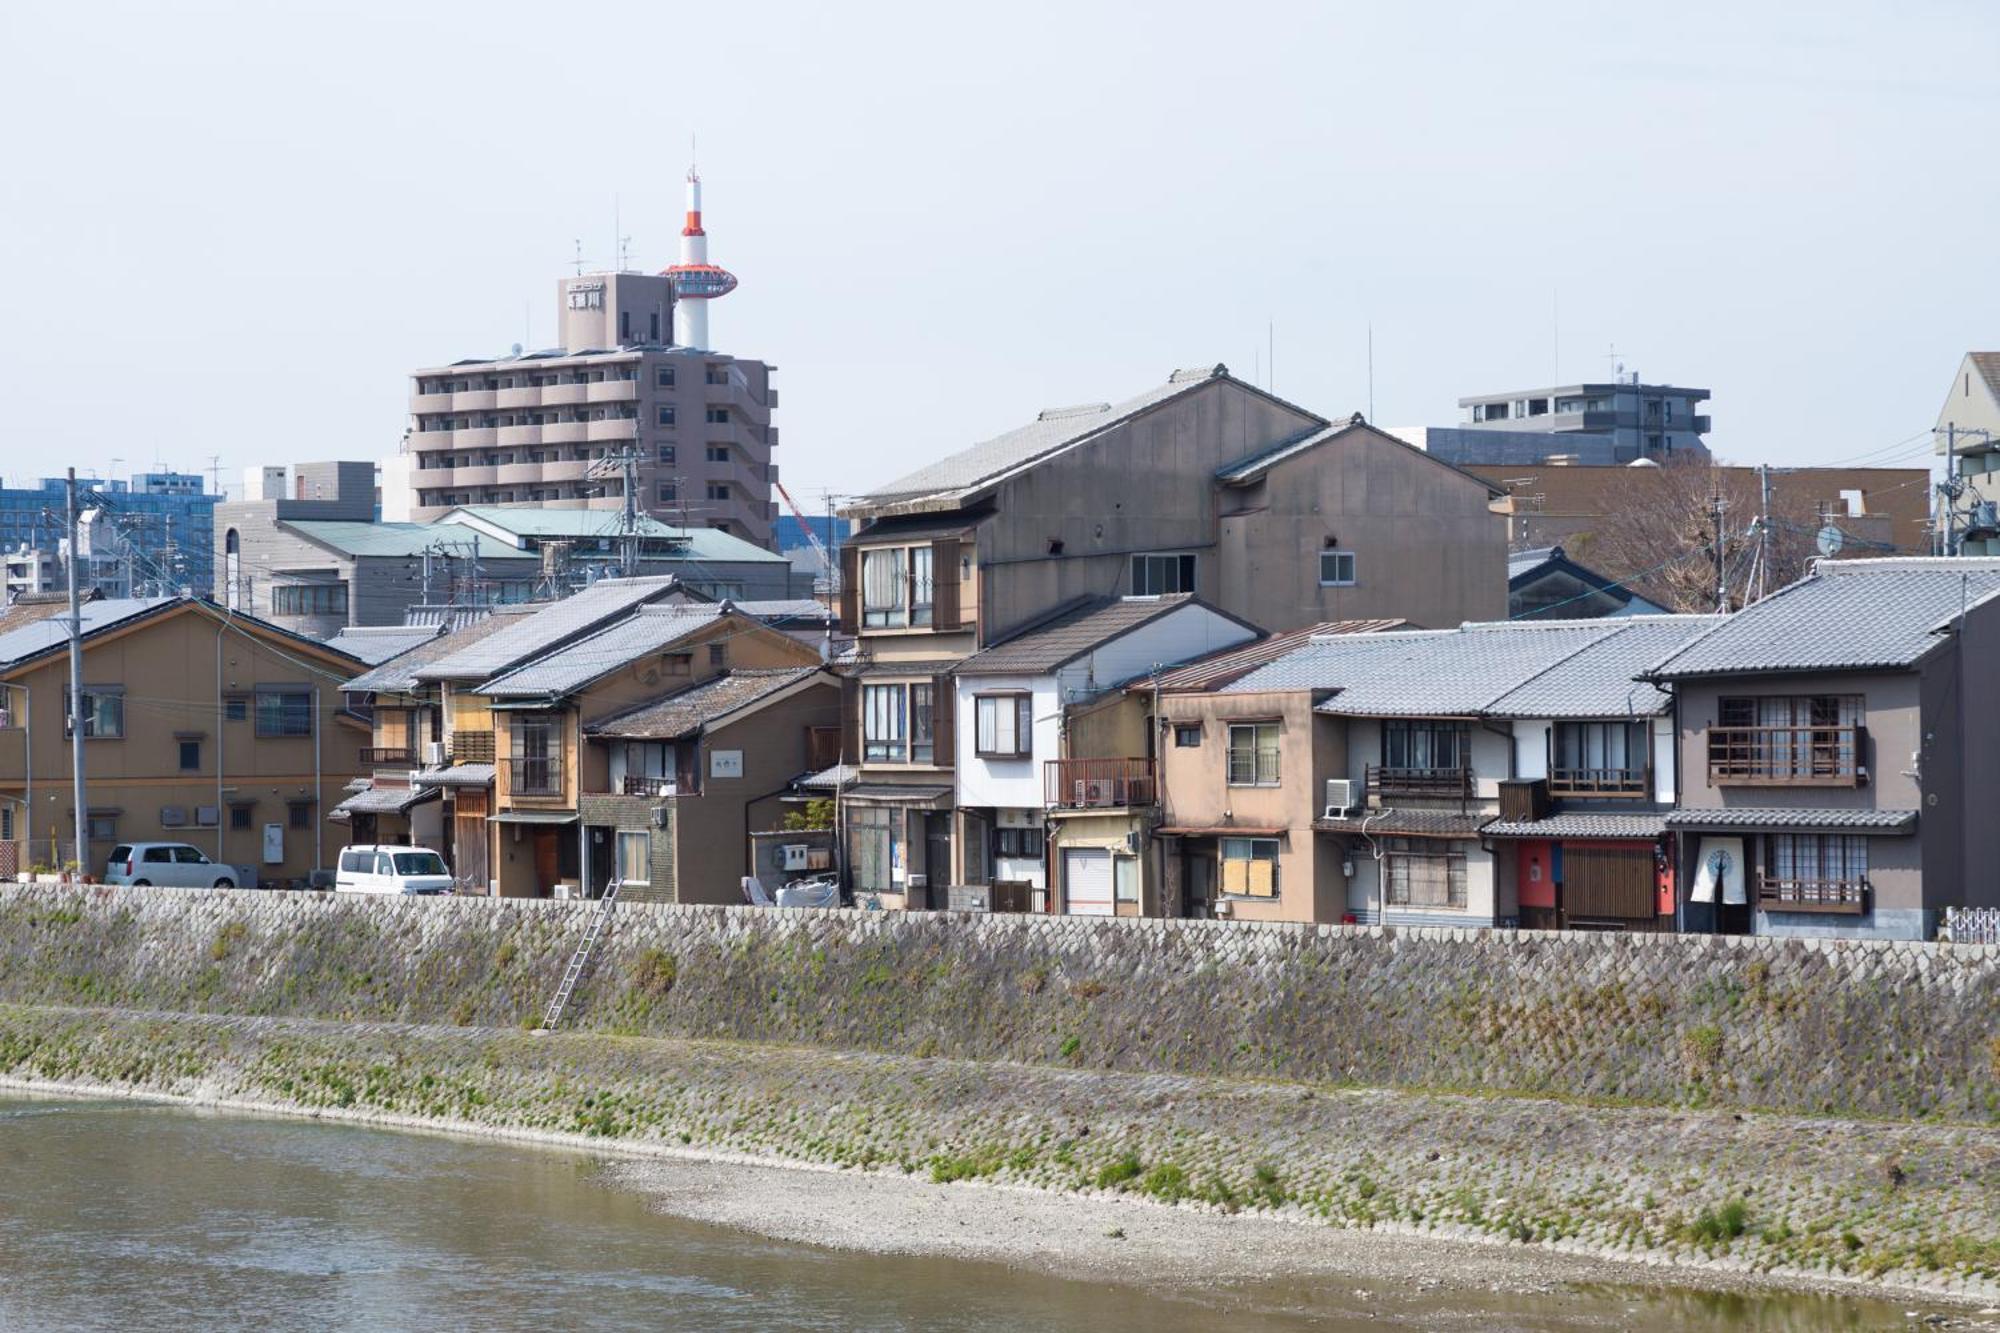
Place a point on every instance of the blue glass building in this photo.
(156, 532)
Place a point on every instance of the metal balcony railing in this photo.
(535, 775)
(1453, 784)
(1090, 784)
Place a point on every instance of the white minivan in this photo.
(391, 869)
(171, 863)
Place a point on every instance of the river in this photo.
(122, 1215)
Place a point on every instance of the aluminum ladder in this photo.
(581, 958)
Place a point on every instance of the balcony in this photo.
(611, 391)
(1441, 784)
(1844, 896)
(388, 756)
(519, 396)
(535, 775)
(520, 435)
(1601, 783)
(637, 786)
(565, 432)
(618, 428)
(472, 474)
(472, 400)
(563, 395)
(518, 474)
(1097, 784)
(472, 747)
(1787, 756)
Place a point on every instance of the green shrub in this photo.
(1114, 1175)
(1165, 1182)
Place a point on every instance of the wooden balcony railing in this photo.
(1606, 782)
(388, 754)
(1453, 784)
(1849, 896)
(1787, 756)
(472, 747)
(536, 775)
(1089, 784)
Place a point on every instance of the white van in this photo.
(391, 869)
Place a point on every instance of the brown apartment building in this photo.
(201, 726)
(548, 427)
(1203, 485)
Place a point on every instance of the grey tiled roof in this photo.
(787, 608)
(376, 644)
(696, 706)
(929, 666)
(1597, 681)
(383, 801)
(1218, 669)
(1805, 817)
(1582, 825)
(1053, 430)
(398, 675)
(1425, 673)
(1847, 615)
(558, 622)
(647, 630)
(828, 779)
(1062, 640)
(458, 775)
(1393, 822)
(1522, 562)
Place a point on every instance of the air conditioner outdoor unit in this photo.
(795, 856)
(434, 754)
(1339, 797)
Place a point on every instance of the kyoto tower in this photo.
(696, 281)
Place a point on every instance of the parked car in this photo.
(170, 863)
(391, 869)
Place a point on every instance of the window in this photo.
(717, 375)
(1250, 867)
(190, 756)
(236, 710)
(1157, 575)
(884, 574)
(667, 454)
(718, 490)
(1253, 754)
(718, 655)
(1187, 735)
(923, 724)
(635, 857)
(1813, 739)
(1003, 725)
(1598, 759)
(298, 814)
(103, 828)
(1020, 844)
(103, 712)
(1336, 569)
(666, 418)
(664, 377)
(1814, 872)
(239, 816)
(883, 734)
(284, 712)
(1417, 875)
(1425, 746)
(718, 453)
(670, 492)
(309, 599)
(718, 416)
(418, 863)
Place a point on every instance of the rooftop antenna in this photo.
(579, 256)
(1270, 355)
(617, 240)
(215, 472)
(1371, 370)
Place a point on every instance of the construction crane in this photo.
(819, 547)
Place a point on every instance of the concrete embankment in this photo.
(1670, 1098)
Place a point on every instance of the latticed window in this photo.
(1417, 874)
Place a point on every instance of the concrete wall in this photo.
(1812, 1027)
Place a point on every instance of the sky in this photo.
(230, 231)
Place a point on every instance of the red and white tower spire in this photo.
(696, 281)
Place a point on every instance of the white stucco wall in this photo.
(1015, 783)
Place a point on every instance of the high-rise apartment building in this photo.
(151, 535)
(621, 396)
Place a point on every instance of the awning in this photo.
(533, 817)
(381, 801)
(1781, 819)
(1580, 826)
(459, 775)
(888, 793)
(1407, 824)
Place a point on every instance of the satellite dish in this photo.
(1831, 539)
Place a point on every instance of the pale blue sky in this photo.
(233, 229)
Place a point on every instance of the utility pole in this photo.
(628, 554)
(1950, 489)
(1763, 529)
(76, 682)
(1716, 509)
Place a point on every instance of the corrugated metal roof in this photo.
(1055, 429)
(1795, 817)
(1598, 680)
(693, 543)
(551, 625)
(376, 644)
(1248, 469)
(1068, 636)
(697, 706)
(398, 675)
(647, 630)
(1583, 825)
(1219, 669)
(399, 539)
(1848, 615)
